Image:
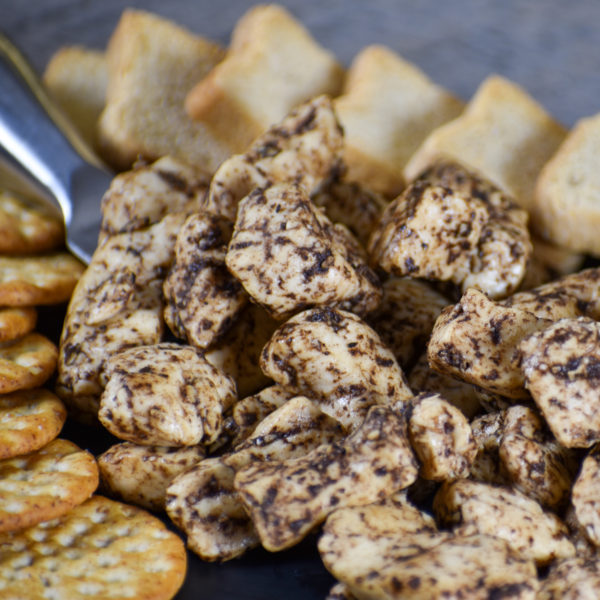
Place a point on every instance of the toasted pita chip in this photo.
(567, 193)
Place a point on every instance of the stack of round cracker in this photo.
(56, 540)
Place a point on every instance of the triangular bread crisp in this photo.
(567, 194)
(272, 65)
(387, 108)
(503, 133)
(77, 77)
(152, 64)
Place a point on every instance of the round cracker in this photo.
(31, 280)
(100, 549)
(27, 228)
(29, 419)
(45, 484)
(26, 363)
(16, 322)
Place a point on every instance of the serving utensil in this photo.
(43, 156)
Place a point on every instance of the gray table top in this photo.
(550, 47)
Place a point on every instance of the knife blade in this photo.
(43, 156)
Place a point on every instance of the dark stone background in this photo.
(551, 47)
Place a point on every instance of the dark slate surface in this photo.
(548, 46)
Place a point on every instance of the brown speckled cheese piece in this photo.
(144, 195)
(141, 474)
(561, 366)
(487, 432)
(477, 341)
(452, 225)
(204, 504)
(117, 304)
(393, 550)
(405, 317)
(287, 499)
(441, 437)
(334, 357)
(165, 394)
(463, 395)
(572, 579)
(203, 501)
(505, 513)
(203, 299)
(238, 352)
(585, 497)
(305, 147)
(340, 591)
(349, 203)
(247, 413)
(571, 296)
(535, 462)
(428, 232)
(289, 256)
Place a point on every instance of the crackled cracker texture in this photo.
(272, 65)
(26, 363)
(45, 484)
(26, 228)
(34, 280)
(100, 549)
(29, 419)
(16, 322)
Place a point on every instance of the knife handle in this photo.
(39, 148)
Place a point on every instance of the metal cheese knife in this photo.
(43, 156)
